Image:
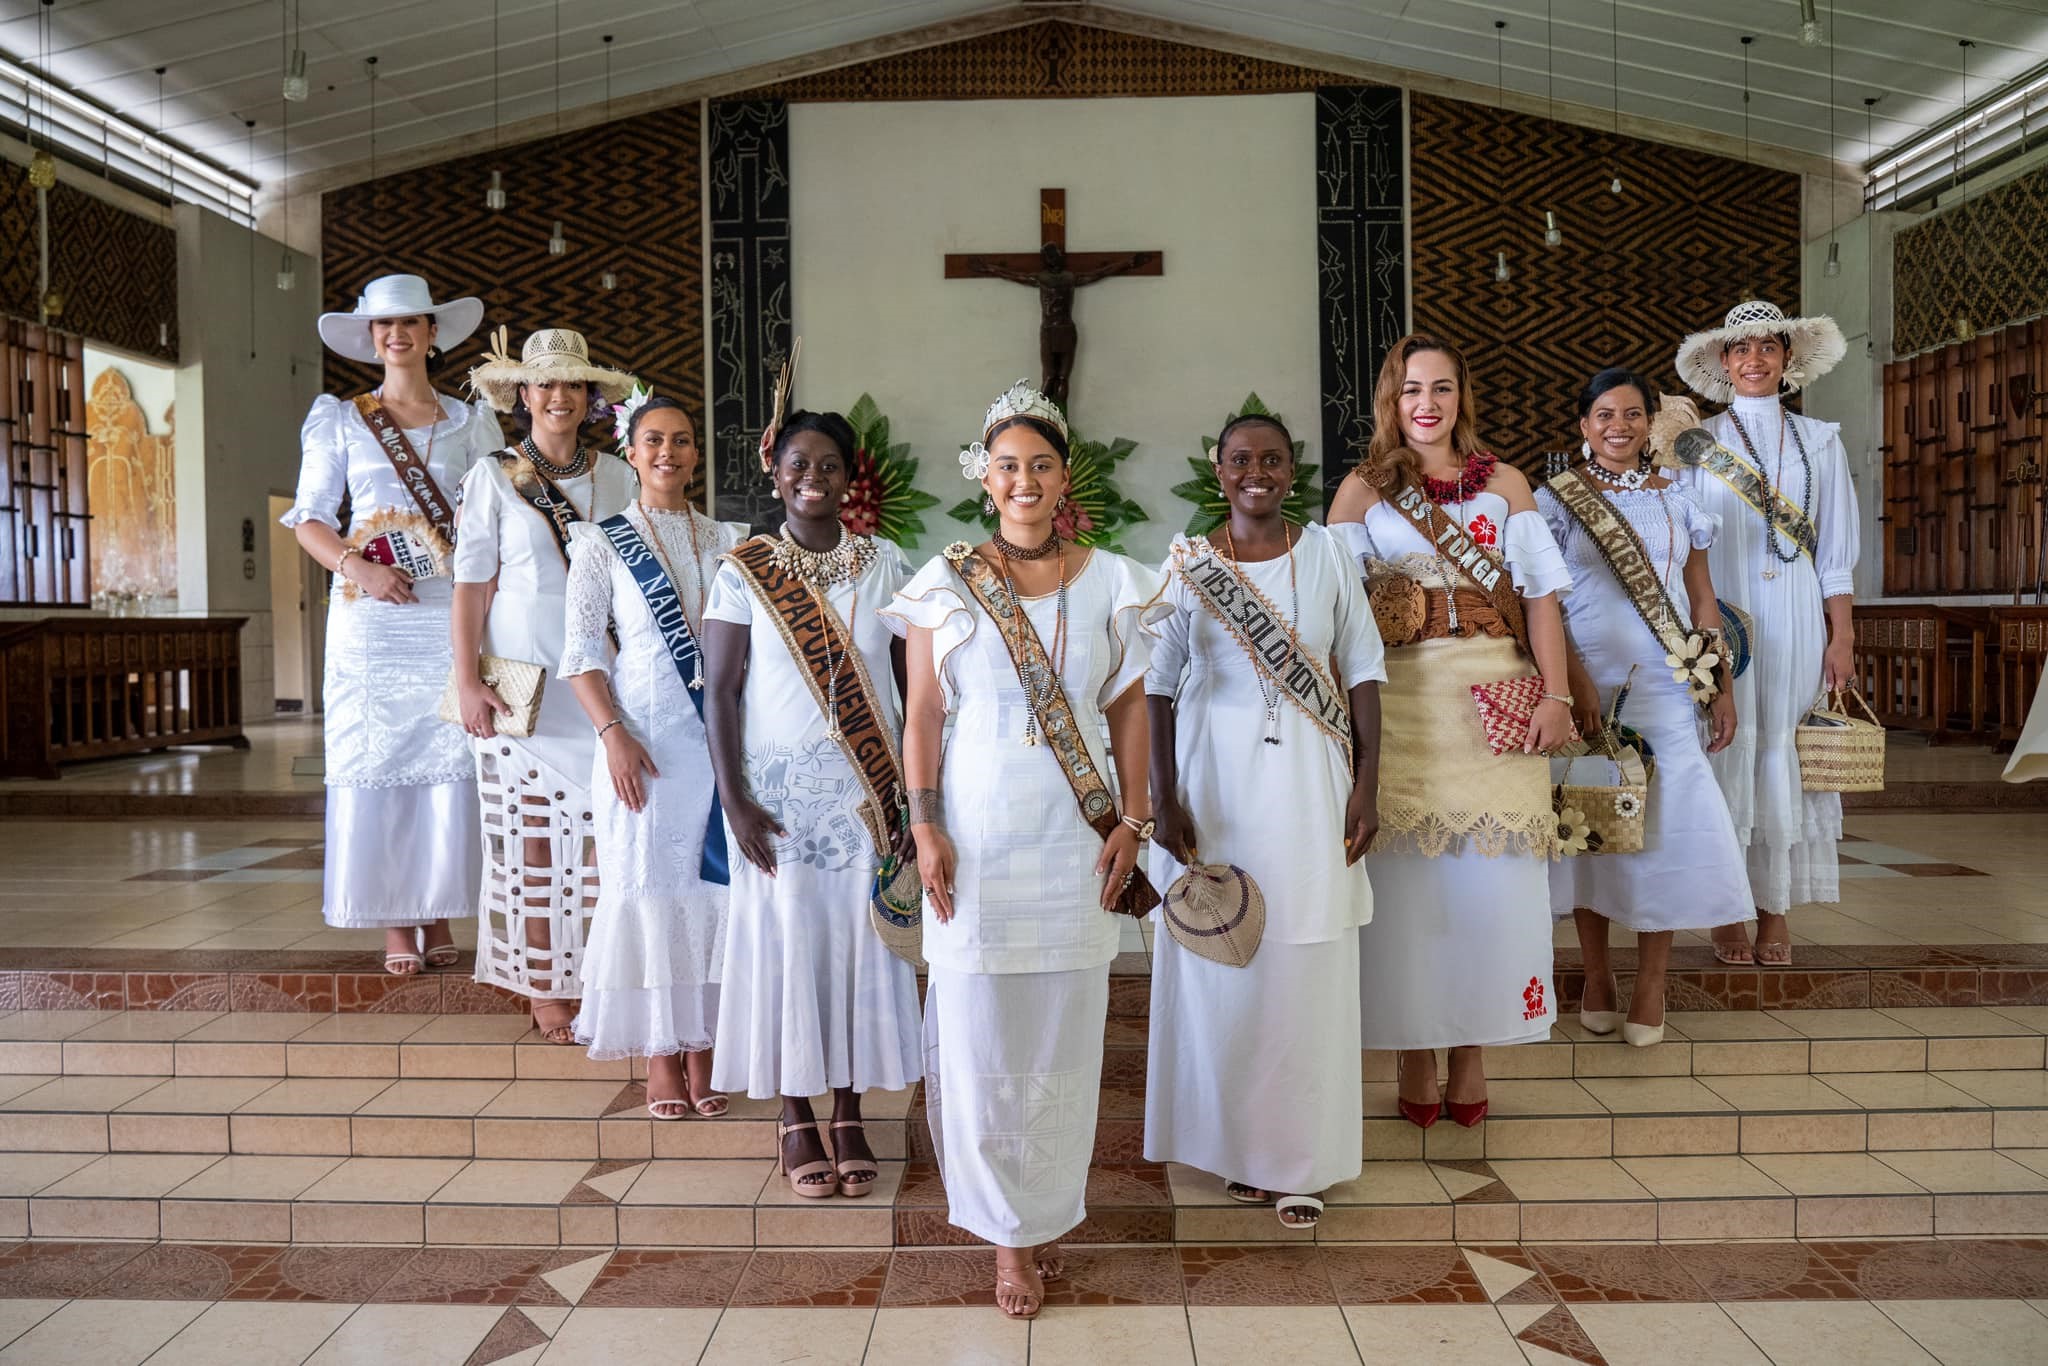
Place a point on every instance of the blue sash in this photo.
(662, 600)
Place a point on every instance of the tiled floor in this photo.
(1788, 1303)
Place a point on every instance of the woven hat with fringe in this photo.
(553, 354)
(1813, 347)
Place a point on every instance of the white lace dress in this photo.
(401, 793)
(534, 791)
(810, 999)
(657, 942)
(1689, 874)
(1790, 834)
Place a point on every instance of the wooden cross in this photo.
(1055, 275)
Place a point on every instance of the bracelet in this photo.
(342, 559)
(615, 721)
(925, 807)
(1563, 697)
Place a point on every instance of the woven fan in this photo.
(1675, 414)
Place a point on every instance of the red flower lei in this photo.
(1472, 479)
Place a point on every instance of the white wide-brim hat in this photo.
(551, 355)
(1813, 346)
(398, 296)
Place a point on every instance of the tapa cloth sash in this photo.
(1456, 546)
(1696, 448)
(813, 633)
(543, 496)
(1626, 556)
(666, 605)
(1055, 714)
(412, 471)
(1259, 630)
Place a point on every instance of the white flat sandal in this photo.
(1307, 1203)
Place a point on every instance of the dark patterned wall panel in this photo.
(1051, 60)
(1689, 236)
(1360, 285)
(750, 303)
(1985, 260)
(118, 271)
(628, 196)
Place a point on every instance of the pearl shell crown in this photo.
(1019, 400)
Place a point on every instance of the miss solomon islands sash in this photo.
(1262, 633)
(814, 635)
(1627, 557)
(1696, 448)
(1457, 547)
(667, 606)
(1055, 714)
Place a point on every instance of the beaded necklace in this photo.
(1057, 656)
(578, 465)
(1473, 477)
(1269, 692)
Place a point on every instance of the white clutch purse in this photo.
(516, 681)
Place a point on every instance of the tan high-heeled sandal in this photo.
(1032, 1298)
(863, 1173)
(815, 1190)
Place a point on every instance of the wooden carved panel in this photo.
(131, 477)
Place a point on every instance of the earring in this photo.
(1061, 505)
(988, 506)
(433, 353)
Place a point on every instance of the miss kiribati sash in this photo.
(412, 471)
(1262, 634)
(1696, 448)
(1625, 554)
(1456, 545)
(541, 494)
(667, 606)
(814, 634)
(1055, 714)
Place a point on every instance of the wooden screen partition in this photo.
(2020, 635)
(1922, 668)
(1964, 429)
(44, 560)
(95, 687)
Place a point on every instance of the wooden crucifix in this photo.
(1055, 275)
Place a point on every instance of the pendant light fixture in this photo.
(494, 197)
(163, 326)
(1614, 66)
(250, 125)
(1553, 236)
(1748, 288)
(1501, 272)
(558, 242)
(295, 87)
(609, 281)
(1833, 268)
(287, 273)
(42, 167)
(1811, 33)
(376, 190)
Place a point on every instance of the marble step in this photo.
(744, 1202)
(504, 1047)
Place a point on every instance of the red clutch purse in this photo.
(1505, 710)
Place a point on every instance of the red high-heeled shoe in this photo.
(1466, 1114)
(1419, 1113)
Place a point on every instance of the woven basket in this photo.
(1839, 752)
(1611, 813)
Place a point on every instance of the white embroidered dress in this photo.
(1789, 834)
(811, 999)
(657, 941)
(1253, 1073)
(1458, 951)
(1690, 872)
(401, 796)
(1018, 980)
(535, 789)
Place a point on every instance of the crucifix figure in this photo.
(1055, 275)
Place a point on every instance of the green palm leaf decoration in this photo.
(882, 497)
(1207, 495)
(1097, 513)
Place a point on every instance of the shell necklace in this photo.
(1057, 656)
(1269, 692)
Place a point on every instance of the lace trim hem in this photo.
(466, 773)
(646, 1051)
(1433, 833)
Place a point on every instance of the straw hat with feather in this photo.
(553, 354)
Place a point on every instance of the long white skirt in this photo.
(2030, 756)
(1458, 951)
(400, 855)
(1013, 1079)
(809, 999)
(1254, 1070)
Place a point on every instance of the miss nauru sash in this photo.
(666, 605)
(1240, 609)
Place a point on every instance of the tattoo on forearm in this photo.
(925, 807)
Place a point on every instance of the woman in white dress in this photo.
(811, 999)
(1018, 884)
(511, 599)
(657, 942)
(1796, 582)
(1689, 874)
(1464, 579)
(401, 795)
(1254, 1070)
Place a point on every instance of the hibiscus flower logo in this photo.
(1532, 998)
(1483, 530)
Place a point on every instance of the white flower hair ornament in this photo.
(1019, 400)
(622, 415)
(974, 463)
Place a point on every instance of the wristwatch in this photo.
(1144, 828)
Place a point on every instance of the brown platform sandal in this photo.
(799, 1176)
(857, 1175)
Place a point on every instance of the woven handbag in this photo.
(1505, 710)
(1839, 752)
(1217, 911)
(518, 683)
(1603, 818)
(896, 909)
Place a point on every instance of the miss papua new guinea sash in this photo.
(412, 471)
(814, 634)
(1259, 631)
(1626, 556)
(1695, 447)
(1456, 545)
(667, 607)
(1055, 714)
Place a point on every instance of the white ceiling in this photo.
(1679, 60)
